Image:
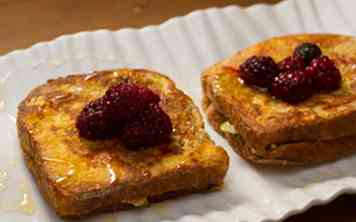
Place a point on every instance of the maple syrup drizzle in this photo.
(90, 76)
(69, 173)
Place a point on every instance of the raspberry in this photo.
(129, 99)
(105, 117)
(326, 76)
(292, 86)
(152, 127)
(291, 63)
(307, 51)
(258, 71)
(94, 121)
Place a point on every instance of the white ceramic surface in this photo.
(181, 48)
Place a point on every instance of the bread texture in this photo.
(79, 177)
(266, 130)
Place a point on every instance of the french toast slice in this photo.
(79, 177)
(266, 130)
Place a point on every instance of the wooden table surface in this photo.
(24, 22)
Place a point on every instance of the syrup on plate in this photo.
(3, 179)
(24, 203)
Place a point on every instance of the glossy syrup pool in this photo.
(16, 191)
(73, 170)
(70, 172)
(26, 203)
(20, 201)
(3, 179)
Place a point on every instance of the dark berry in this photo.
(129, 99)
(258, 71)
(326, 76)
(307, 51)
(152, 127)
(105, 117)
(94, 121)
(291, 63)
(292, 86)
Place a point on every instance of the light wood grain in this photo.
(25, 22)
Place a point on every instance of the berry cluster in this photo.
(127, 111)
(258, 71)
(295, 78)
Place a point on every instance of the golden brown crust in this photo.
(263, 121)
(299, 153)
(79, 177)
(73, 209)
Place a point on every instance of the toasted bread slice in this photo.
(298, 153)
(79, 177)
(272, 131)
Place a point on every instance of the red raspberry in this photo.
(128, 100)
(258, 71)
(292, 86)
(291, 63)
(94, 121)
(326, 76)
(152, 127)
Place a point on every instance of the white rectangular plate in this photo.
(181, 48)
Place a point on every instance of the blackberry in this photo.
(129, 99)
(258, 71)
(291, 63)
(326, 76)
(105, 117)
(151, 127)
(307, 51)
(292, 86)
(94, 121)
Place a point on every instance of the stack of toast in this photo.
(265, 130)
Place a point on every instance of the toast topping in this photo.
(258, 71)
(307, 51)
(129, 112)
(291, 63)
(151, 127)
(296, 77)
(94, 122)
(326, 76)
(128, 100)
(292, 86)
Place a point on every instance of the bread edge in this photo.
(294, 154)
(335, 128)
